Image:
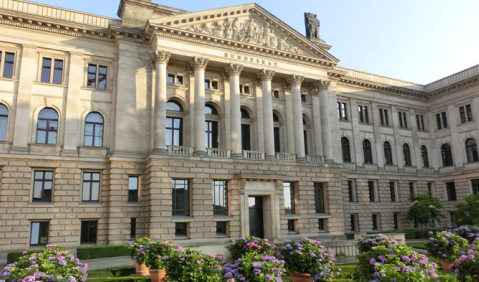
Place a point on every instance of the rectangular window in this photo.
(46, 69)
(342, 112)
(396, 221)
(402, 119)
(375, 222)
(246, 137)
(48, 73)
(211, 134)
(303, 98)
(220, 197)
(132, 228)
(289, 199)
(214, 85)
(42, 186)
(246, 90)
(353, 223)
(133, 188)
(319, 197)
(276, 94)
(420, 122)
(351, 191)
(438, 121)
(39, 233)
(91, 187)
(469, 112)
(322, 224)
(466, 113)
(392, 189)
(277, 140)
(179, 79)
(444, 120)
(291, 226)
(363, 114)
(207, 84)
(412, 192)
(383, 115)
(475, 186)
(171, 78)
(181, 230)
(221, 229)
(97, 75)
(181, 197)
(430, 189)
(451, 191)
(8, 65)
(89, 231)
(174, 131)
(372, 191)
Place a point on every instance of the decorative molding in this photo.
(265, 74)
(162, 57)
(323, 85)
(199, 63)
(313, 88)
(296, 79)
(234, 69)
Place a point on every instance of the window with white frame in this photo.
(52, 70)
(342, 111)
(7, 64)
(466, 113)
(363, 112)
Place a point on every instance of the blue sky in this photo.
(413, 40)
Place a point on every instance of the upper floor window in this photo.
(175, 79)
(7, 62)
(319, 197)
(351, 191)
(181, 197)
(373, 195)
(174, 124)
(451, 191)
(346, 150)
(97, 75)
(368, 154)
(363, 114)
(47, 127)
(289, 199)
(277, 133)
(52, 74)
(407, 155)
(383, 116)
(388, 156)
(466, 113)
(441, 120)
(342, 111)
(211, 128)
(402, 119)
(245, 130)
(446, 153)
(220, 197)
(211, 84)
(91, 187)
(471, 150)
(275, 94)
(133, 183)
(94, 130)
(245, 89)
(303, 98)
(393, 191)
(42, 186)
(3, 122)
(420, 122)
(424, 156)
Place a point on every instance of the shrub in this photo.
(411, 274)
(349, 236)
(243, 246)
(133, 249)
(95, 252)
(52, 264)
(467, 213)
(190, 266)
(425, 210)
(467, 265)
(470, 233)
(369, 241)
(254, 268)
(159, 253)
(446, 245)
(16, 255)
(308, 256)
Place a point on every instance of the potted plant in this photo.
(187, 265)
(446, 246)
(157, 258)
(308, 260)
(251, 244)
(467, 265)
(254, 268)
(137, 252)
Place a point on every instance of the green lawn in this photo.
(417, 245)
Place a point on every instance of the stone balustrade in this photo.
(286, 157)
(180, 150)
(254, 155)
(218, 153)
(315, 159)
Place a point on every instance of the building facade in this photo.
(207, 126)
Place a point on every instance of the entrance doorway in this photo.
(255, 205)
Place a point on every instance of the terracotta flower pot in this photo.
(142, 269)
(157, 275)
(300, 277)
(446, 265)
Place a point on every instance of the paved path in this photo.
(94, 264)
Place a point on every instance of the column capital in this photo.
(199, 63)
(296, 79)
(234, 69)
(265, 74)
(162, 57)
(323, 85)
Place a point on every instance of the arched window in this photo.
(346, 150)
(94, 130)
(471, 150)
(47, 127)
(174, 124)
(245, 130)
(368, 154)
(211, 127)
(425, 158)
(407, 155)
(446, 155)
(388, 156)
(277, 133)
(3, 122)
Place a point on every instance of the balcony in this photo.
(286, 157)
(254, 155)
(314, 159)
(218, 153)
(180, 150)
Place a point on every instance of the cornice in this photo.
(470, 81)
(369, 85)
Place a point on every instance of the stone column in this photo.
(318, 146)
(161, 60)
(199, 65)
(296, 81)
(234, 71)
(325, 120)
(288, 99)
(266, 77)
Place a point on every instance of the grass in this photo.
(417, 245)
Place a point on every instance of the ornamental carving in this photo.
(296, 79)
(323, 85)
(248, 30)
(234, 69)
(199, 63)
(162, 57)
(266, 74)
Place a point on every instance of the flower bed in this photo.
(187, 265)
(251, 244)
(446, 245)
(254, 268)
(467, 265)
(470, 233)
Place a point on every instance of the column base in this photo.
(273, 157)
(160, 152)
(199, 153)
(237, 156)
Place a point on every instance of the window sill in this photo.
(97, 89)
(344, 120)
(222, 218)
(222, 236)
(99, 204)
(322, 215)
(63, 85)
(13, 79)
(179, 218)
(292, 216)
(181, 238)
(40, 204)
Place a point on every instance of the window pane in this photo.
(86, 191)
(37, 190)
(46, 68)
(171, 78)
(8, 66)
(52, 138)
(41, 137)
(95, 191)
(288, 192)
(91, 80)
(98, 142)
(319, 197)
(49, 175)
(133, 183)
(34, 238)
(3, 128)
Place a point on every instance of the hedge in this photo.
(96, 252)
(349, 236)
(15, 255)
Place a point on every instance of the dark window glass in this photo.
(91, 83)
(321, 225)
(366, 114)
(386, 117)
(207, 84)
(319, 195)
(392, 189)
(210, 110)
(247, 90)
(181, 197)
(350, 191)
(179, 79)
(174, 131)
(368, 155)
(407, 155)
(429, 188)
(173, 106)
(425, 158)
(8, 66)
(475, 186)
(171, 78)
(418, 122)
(102, 72)
(276, 94)
(400, 119)
(246, 136)
(438, 121)
(388, 157)
(46, 69)
(462, 112)
(372, 194)
(405, 120)
(422, 123)
(214, 84)
(375, 222)
(221, 229)
(89, 230)
(211, 134)
(305, 137)
(275, 118)
(3, 122)
(451, 191)
(244, 114)
(277, 140)
(352, 219)
(91, 187)
(58, 72)
(444, 120)
(133, 184)
(291, 225)
(303, 98)
(181, 229)
(363, 114)
(381, 117)
(94, 130)
(132, 228)
(47, 127)
(396, 221)
(446, 155)
(471, 150)
(39, 233)
(42, 186)
(469, 112)
(289, 199)
(346, 150)
(411, 189)
(220, 197)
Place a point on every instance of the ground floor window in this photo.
(39, 233)
(221, 229)
(181, 230)
(89, 230)
(322, 224)
(291, 226)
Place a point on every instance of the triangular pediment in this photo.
(249, 25)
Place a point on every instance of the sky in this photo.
(419, 41)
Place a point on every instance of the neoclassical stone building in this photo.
(206, 126)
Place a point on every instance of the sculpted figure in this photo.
(265, 32)
(312, 26)
(273, 41)
(236, 29)
(283, 46)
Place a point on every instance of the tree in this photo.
(425, 210)
(468, 213)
